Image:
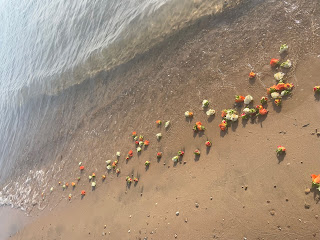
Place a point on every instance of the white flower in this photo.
(275, 95)
(158, 135)
(205, 103)
(210, 112)
(109, 167)
(93, 184)
(118, 154)
(139, 149)
(234, 117)
(90, 177)
(228, 116)
(51, 189)
(283, 48)
(108, 162)
(279, 76)
(246, 110)
(140, 143)
(187, 114)
(286, 64)
(175, 159)
(166, 125)
(248, 99)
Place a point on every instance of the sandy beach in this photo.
(238, 188)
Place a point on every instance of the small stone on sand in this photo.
(307, 191)
(307, 206)
(177, 213)
(175, 235)
(272, 212)
(129, 231)
(197, 205)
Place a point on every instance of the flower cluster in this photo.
(316, 89)
(198, 127)
(280, 149)
(188, 114)
(210, 112)
(252, 75)
(205, 103)
(280, 90)
(230, 115)
(316, 181)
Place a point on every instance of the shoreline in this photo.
(181, 70)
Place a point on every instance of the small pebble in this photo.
(186, 220)
(307, 191)
(272, 212)
(197, 205)
(103, 234)
(211, 198)
(287, 199)
(130, 216)
(175, 235)
(184, 162)
(316, 216)
(306, 206)
(268, 201)
(105, 226)
(177, 213)
(129, 231)
(164, 163)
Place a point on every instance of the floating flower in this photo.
(239, 99)
(315, 179)
(286, 64)
(63, 186)
(103, 177)
(208, 144)
(275, 95)
(93, 175)
(277, 101)
(136, 179)
(252, 75)
(316, 89)
(93, 184)
(114, 164)
(210, 112)
(59, 183)
(147, 163)
(188, 114)
(73, 184)
(80, 163)
(140, 138)
(159, 136)
(281, 86)
(51, 189)
(280, 149)
(263, 100)
(117, 171)
(283, 48)
(223, 113)
(259, 107)
(180, 153)
(246, 110)
(244, 116)
(158, 122)
(279, 76)
(175, 158)
(197, 152)
(263, 111)
(70, 196)
(90, 177)
(67, 184)
(288, 86)
(248, 99)
(198, 127)
(118, 154)
(141, 143)
(134, 134)
(223, 125)
(274, 62)
(109, 167)
(128, 179)
(136, 138)
(136, 142)
(167, 124)
(205, 103)
(146, 143)
(81, 167)
(83, 192)
(130, 153)
(159, 154)
(108, 162)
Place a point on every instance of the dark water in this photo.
(46, 47)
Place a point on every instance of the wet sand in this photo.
(239, 188)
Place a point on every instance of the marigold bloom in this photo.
(224, 113)
(252, 75)
(263, 111)
(223, 125)
(130, 153)
(315, 178)
(73, 184)
(81, 167)
(274, 62)
(146, 143)
(103, 176)
(239, 99)
(158, 122)
(83, 192)
(280, 86)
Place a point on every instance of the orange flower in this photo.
(158, 122)
(224, 113)
(83, 192)
(223, 125)
(277, 101)
(67, 184)
(252, 75)
(239, 98)
(288, 86)
(280, 86)
(73, 184)
(274, 62)
(315, 178)
(81, 167)
(103, 176)
(134, 134)
(263, 111)
(130, 153)
(146, 143)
